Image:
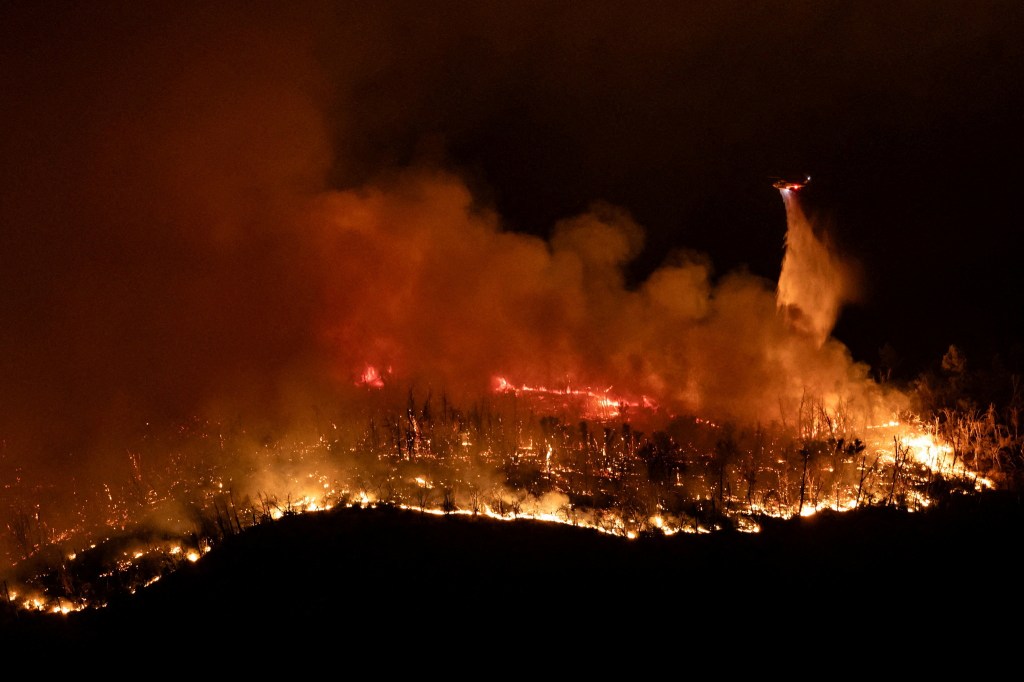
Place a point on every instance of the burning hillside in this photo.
(684, 406)
(519, 454)
(217, 314)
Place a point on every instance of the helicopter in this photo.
(792, 185)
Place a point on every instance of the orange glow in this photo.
(864, 479)
(594, 403)
(371, 378)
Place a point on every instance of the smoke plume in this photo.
(192, 231)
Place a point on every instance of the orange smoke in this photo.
(175, 251)
(423, 280)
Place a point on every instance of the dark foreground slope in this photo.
(403, 575)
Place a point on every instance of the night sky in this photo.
(153, 157)
(907, 115)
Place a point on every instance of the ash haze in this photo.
(228, 210)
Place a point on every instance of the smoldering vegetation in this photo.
(508, 458)
(191, 238)
(216, 219)
(448, 582)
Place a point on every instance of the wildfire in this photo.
(929, 451)
(611, 526)
(613, 480)
(370, 377)
(423, 277)
(596, 404)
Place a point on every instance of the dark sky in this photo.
(907, 114)
(158, 162)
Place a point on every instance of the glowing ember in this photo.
(537, 379)
(611, 479)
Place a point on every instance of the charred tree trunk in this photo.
(805, 455)
(900, 453)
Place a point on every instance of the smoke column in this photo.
(177, 247)
(427, 283)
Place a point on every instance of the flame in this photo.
(600, 404)
(930, 453)
(371, 378)
(448, 455)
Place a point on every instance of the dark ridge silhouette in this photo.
(428, 580)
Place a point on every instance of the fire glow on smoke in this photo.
(224, 304)
(606, 484)
(787, 426)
